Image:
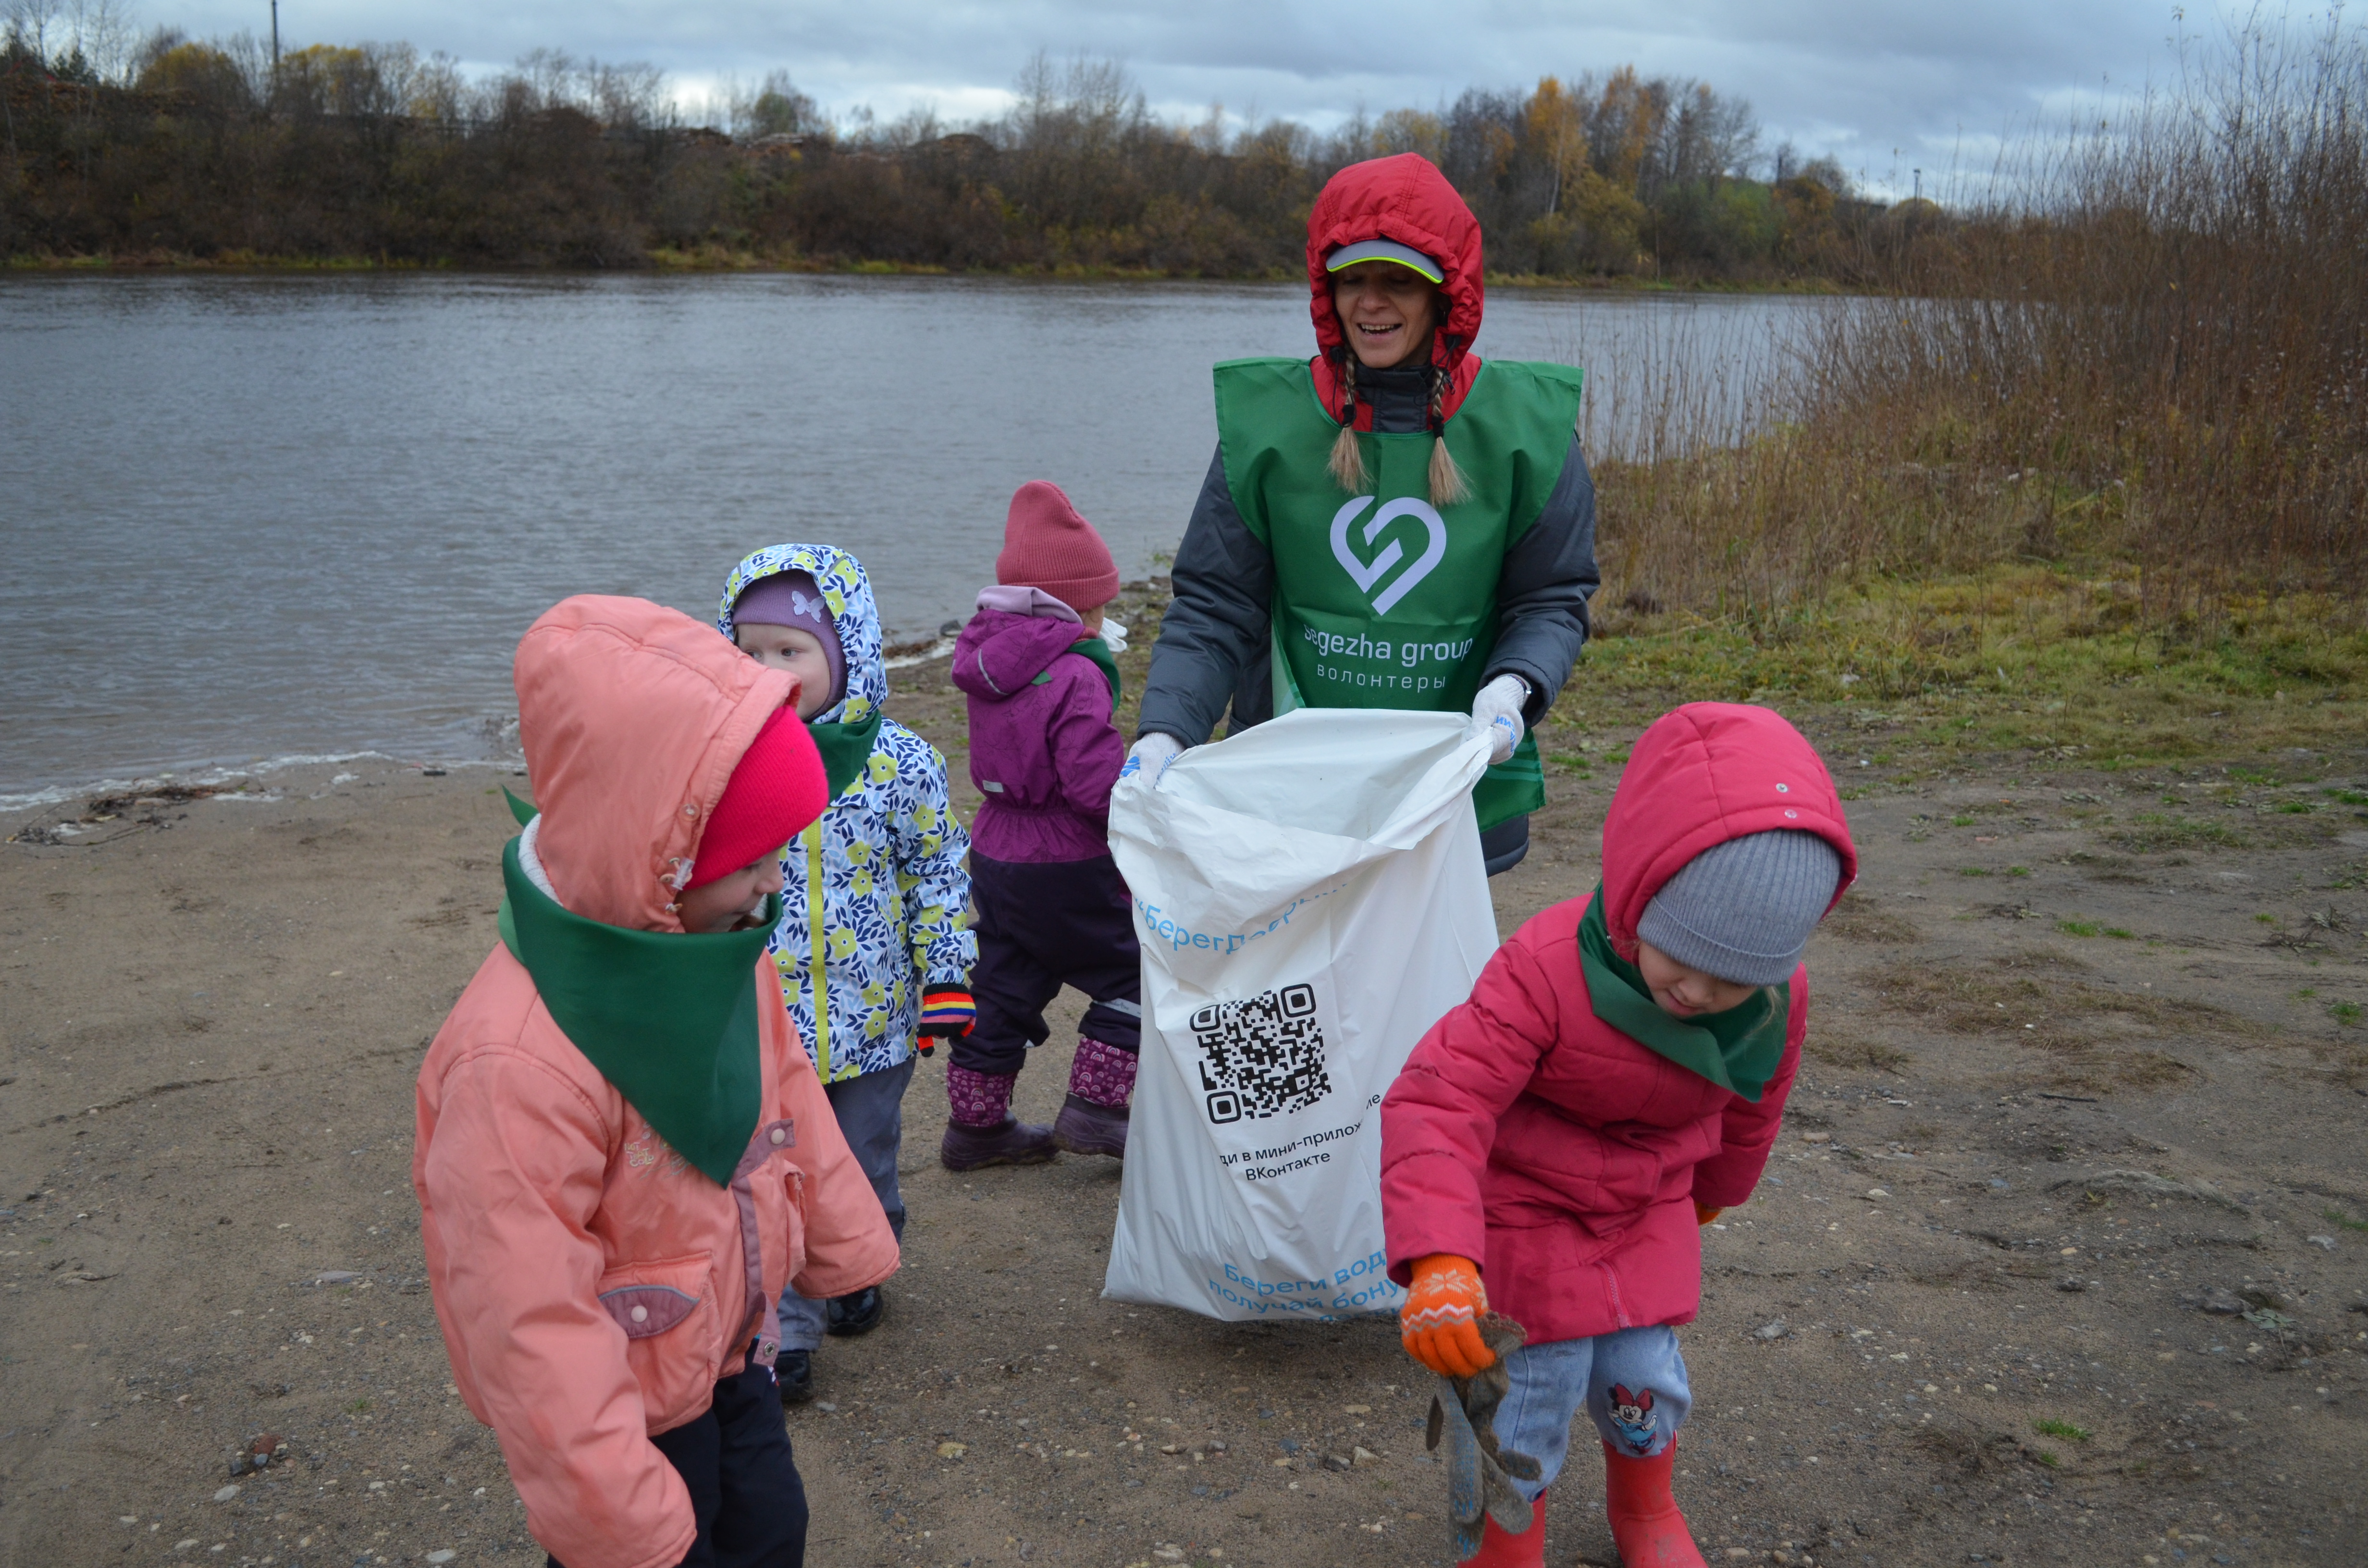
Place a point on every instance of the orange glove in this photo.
(1441, 1320)
(1704, 1213)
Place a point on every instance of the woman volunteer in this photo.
(1392, 524)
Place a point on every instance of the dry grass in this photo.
(1858, 919)
(2094, 1037)
(1838, 1045)
(1969, 1276)
(1970, 1451)
(2141, 362)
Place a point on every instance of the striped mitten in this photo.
(945, 1014)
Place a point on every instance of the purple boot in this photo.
(984, 1131)
(1094, 1121)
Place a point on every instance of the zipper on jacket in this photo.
(820, 962)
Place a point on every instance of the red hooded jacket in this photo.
(1528, 1135)
(1404, 198)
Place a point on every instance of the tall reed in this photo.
(2148, 344)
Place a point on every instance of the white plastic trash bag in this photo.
(1311, 899)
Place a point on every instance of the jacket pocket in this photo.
(643, 1310)
(666, 1308)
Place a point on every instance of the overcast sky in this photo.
(1856, 78)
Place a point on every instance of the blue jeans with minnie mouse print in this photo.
(1633, 1382)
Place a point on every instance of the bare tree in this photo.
(631, 96)
(31, 22)
(101, 33)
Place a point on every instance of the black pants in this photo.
(745, 1490)
(1503, 846)
(1040, 925)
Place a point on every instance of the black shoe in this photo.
(794, 1371)
(1012, 1143)
(859, 1314)
(1086, 1128)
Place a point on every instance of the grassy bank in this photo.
(2017, 666)
(2095, 490)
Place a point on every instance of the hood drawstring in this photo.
(1447, 483)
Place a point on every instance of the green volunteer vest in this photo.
(1381, 599)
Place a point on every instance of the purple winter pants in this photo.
(1042, 925)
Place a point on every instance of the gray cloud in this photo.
(1854, 77)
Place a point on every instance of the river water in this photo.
(247, 519)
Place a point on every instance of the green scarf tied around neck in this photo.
(669, 1019)
(1737, 1050)
(1095, 649)
(846, 750)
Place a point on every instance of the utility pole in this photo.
(275, 40)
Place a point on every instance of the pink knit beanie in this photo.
(776, 788)
(1046, 545)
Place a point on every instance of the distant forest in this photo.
(165, 148)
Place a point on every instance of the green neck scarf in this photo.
(670, 1020)
(1737, 1050)
(1096, 649)
(846, 749)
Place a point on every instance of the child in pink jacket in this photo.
(1614, 1081)
(623, 1153)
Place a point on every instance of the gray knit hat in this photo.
(1742, 910)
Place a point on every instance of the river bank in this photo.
(2081, 1095)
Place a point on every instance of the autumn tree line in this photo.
(167, 148)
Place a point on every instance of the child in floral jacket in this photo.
(874, 946)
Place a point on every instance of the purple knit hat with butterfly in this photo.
(791, 598)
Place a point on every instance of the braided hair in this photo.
(1447, 484)
(1348, 461)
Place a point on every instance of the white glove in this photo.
(1114, 634)
(1151, 755)
(1498, 710)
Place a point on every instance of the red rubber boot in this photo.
(1526, 1550)
(1645, 1524)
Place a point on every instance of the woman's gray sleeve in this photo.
(1543, 590)
(1215, 631)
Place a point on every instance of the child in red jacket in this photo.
(1614, 1081)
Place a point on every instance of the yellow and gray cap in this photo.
(1385, 250)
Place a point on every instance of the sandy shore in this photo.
(1969, 1317)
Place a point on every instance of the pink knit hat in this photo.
(776, 788)
(1046, 545)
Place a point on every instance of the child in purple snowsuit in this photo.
(1047, 901)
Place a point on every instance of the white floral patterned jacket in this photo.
(875, 904)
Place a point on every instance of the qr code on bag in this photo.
(1262, 1056)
